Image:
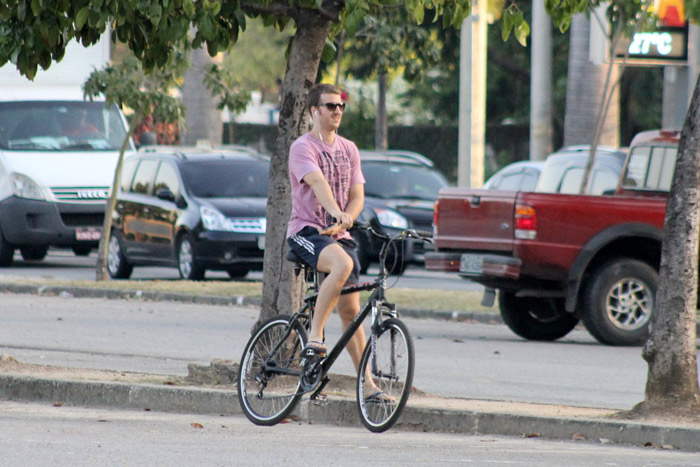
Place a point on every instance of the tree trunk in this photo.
(101, 273)
(281, 291)
(381, 132)
(202, 119)
(585, 90)
(672, 380)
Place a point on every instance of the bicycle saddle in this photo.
(294, 258)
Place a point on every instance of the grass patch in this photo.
(423, 299)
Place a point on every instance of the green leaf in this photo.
(329, 52)
(522, 30)
(506, 24)
(188, 6)
(419, 12)
(36, 7)
(81, 17)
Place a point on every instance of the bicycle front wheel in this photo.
(389, 362)
(269, 374)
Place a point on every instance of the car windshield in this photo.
(226, 178)
(60, 126)
(401, 181)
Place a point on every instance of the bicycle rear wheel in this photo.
(389, 362)
(269, 374)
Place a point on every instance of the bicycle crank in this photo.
(310, 374)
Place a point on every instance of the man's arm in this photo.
(324, 195)
(356, 200)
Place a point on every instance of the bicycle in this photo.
(273, 375)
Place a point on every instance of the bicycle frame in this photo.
(372, 305)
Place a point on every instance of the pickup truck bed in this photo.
(557, 258)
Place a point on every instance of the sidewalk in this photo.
(424, 412)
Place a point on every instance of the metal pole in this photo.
(540, 83)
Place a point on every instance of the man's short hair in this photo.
(317, 91)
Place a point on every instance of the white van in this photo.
(58, 154)
(57, 163)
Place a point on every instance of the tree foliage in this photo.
(34, 33)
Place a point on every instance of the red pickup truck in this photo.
(556, 258)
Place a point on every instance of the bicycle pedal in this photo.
(320, 400)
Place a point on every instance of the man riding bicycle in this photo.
(327, 196)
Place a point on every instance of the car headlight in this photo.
(25, 187)
(389, 218)
(213, 219)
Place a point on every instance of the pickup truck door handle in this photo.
(476, 200)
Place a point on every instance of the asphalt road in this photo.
(39, 435)
(64, 265)
(455, 359)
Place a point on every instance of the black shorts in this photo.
(308, 243)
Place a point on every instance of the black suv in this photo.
(400, 192)
(191, 208)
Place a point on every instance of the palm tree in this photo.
(202, 119)
(585, 91)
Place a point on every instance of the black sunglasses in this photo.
(331, 106)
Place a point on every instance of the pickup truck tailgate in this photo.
(475, 219)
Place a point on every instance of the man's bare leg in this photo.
(338, 264)
(348, 307)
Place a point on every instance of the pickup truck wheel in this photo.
(619, 301)
(535, 318)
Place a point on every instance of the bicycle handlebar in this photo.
(408, 233)
(412, 233)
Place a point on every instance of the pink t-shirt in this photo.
(340, 165)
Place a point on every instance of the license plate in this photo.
(261, 243)
(88, 233)
(473, 264)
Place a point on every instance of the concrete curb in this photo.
(343, 411)
(239, 300)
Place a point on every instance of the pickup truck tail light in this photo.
(435, 218)
(525, 222)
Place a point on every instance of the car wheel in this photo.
(186, 261)
(237, 272)
(117, 265)
(81, 250)
(618, 302)
(7, 252)
(535, 318)
(34, 252)
(362, 255)
(396, 263)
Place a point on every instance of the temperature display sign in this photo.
(665, 45)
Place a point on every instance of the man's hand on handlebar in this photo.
(343, 221)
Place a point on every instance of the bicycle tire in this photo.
(393, 353)
(268, 397)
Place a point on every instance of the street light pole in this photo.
(472, 98)
(540, 83)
